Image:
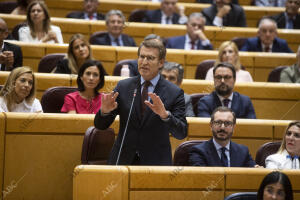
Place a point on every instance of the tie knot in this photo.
(226, 102)
(147, 84)
(223, 149)
(267, 48)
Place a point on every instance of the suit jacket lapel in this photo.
(213, 154)
(233, 155)
(235, 104)
(138, 99)
(216, 101)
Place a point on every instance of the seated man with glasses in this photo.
(194, 38)
(224, 80)
(220, 150)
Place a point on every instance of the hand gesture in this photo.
(108, 102)
(224, 10)
(180, 9)
(9, 60)
(50, 36)
(157, 106)
(200, 34)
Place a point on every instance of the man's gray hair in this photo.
(169, 66)
(262, 20)
(114, 12)
(197, 15)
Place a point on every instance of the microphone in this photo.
(125, 131)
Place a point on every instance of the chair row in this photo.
(270, 100)
(138, 31)
(258, 64)
(41, 150)
(159, 183)
(57, 9)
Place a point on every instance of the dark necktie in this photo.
(193, 45)
(168, 20)
(226, 102)
(144, 95)
(224, 159)
(117, 42)
(267, 48)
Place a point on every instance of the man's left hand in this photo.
(157, 106)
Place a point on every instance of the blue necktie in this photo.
(224, 159)
(290, 24)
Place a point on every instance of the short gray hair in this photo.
(169, 66)
(262, 20)
(114, 12)
(197, 15)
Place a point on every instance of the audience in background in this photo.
(228, 52)
(291, 74)
(115, 24)
(18, 92)
(90, 11)
(194, 38)
(275, 186)
(213, 1)
(270, 3)
(79, 51)
(266, 40)
(288, 154)
(220, 150)
(224, 80)
(173, 72)
(10, 54)
(224, 13)
(39, 27)
(87, 100)
(166, 14)
(21, 8)
(290, 19)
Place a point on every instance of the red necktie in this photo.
(267, 48)
(193, 45)
(226, 102)
(145, 95)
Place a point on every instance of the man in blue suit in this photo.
(194, 38)
(90, 11)
(166, 14)
(220, 150)
(224, 80)
(115, 23)
(266, 40)
(158, 110)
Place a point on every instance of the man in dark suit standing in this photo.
(220, 150)
(166, 14)
(10, 54)
(90, 11)
(115, 23)
(224, 80)
(266, 40)
(290, 19)
(224, 13)
(158, 109)
(194, 38)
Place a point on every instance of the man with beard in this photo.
(224, 80)
(220, 150)
(115, 23)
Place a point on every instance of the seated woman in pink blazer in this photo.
(87, 100)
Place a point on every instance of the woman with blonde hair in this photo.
(229, 52)
(79, 51)
(18, 93)
(288, 154)
(39, 27)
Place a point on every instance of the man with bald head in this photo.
(194, 38)
(10, 54)
(266, 40)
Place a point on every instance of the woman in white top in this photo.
(18, 93)
(228, 52)
(39, 28)
(288, 154)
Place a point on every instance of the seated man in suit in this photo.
(10, 54)
(115, 23)
(224, 80)
(224, 13)
(266, 40)
(90, 11)
(194, 38)
(291, 74)
(173, 72)
(166, 14)
(220, 150)
(290, 19)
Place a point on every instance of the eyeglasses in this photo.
(219, 123)
(290, 133)
(149, 58)
(297, 2)
(2, 30)
(219, 77)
